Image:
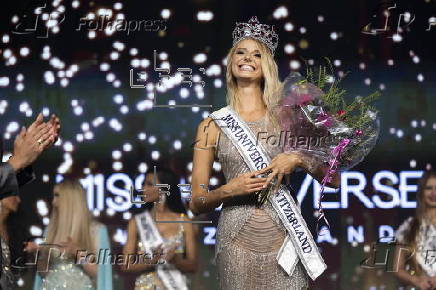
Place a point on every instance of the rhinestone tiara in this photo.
(262, 32)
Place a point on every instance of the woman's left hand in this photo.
(282, 164)
(433, 281)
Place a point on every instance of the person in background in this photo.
(16, 172)
(179, 247)
(72, 227)
(418, 235)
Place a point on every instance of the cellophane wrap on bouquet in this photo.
(322, 136)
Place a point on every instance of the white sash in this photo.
(299, 243)
(170, 276)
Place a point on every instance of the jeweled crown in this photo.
(256, 30)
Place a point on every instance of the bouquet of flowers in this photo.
(323, 126)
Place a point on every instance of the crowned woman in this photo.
(260, 245)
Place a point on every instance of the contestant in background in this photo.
(72, 227)
(249, 237)
(177, 241)
(418, 235)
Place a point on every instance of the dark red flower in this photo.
(340, 113)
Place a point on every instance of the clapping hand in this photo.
(50, 128)
(55, 127)
(31, 142)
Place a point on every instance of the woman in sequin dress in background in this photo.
(418, 234)
(248, 237)
(179, 238)
(72, 227)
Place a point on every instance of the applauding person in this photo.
(28, 146)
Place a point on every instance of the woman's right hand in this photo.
(157, 254)
(244, 184)
(423, 282)
(169, 253)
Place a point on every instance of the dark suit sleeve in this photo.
(25, 176)
(8, 179)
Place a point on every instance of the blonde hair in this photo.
(270, 85)
(71, 218)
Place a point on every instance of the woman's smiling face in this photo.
(246, 60)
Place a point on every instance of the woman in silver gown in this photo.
(76, 240)
(248, 237)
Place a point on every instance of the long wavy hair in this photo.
(420, 215)
(71, 218)
(270, 82)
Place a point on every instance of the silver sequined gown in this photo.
(150, 280)
(249, 238)
(7, 278)
(64, 273)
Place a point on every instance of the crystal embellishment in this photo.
(262, 32)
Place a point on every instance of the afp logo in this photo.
(40, 22)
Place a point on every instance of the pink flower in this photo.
(325, 119)
(305, 99)
(358, 132)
